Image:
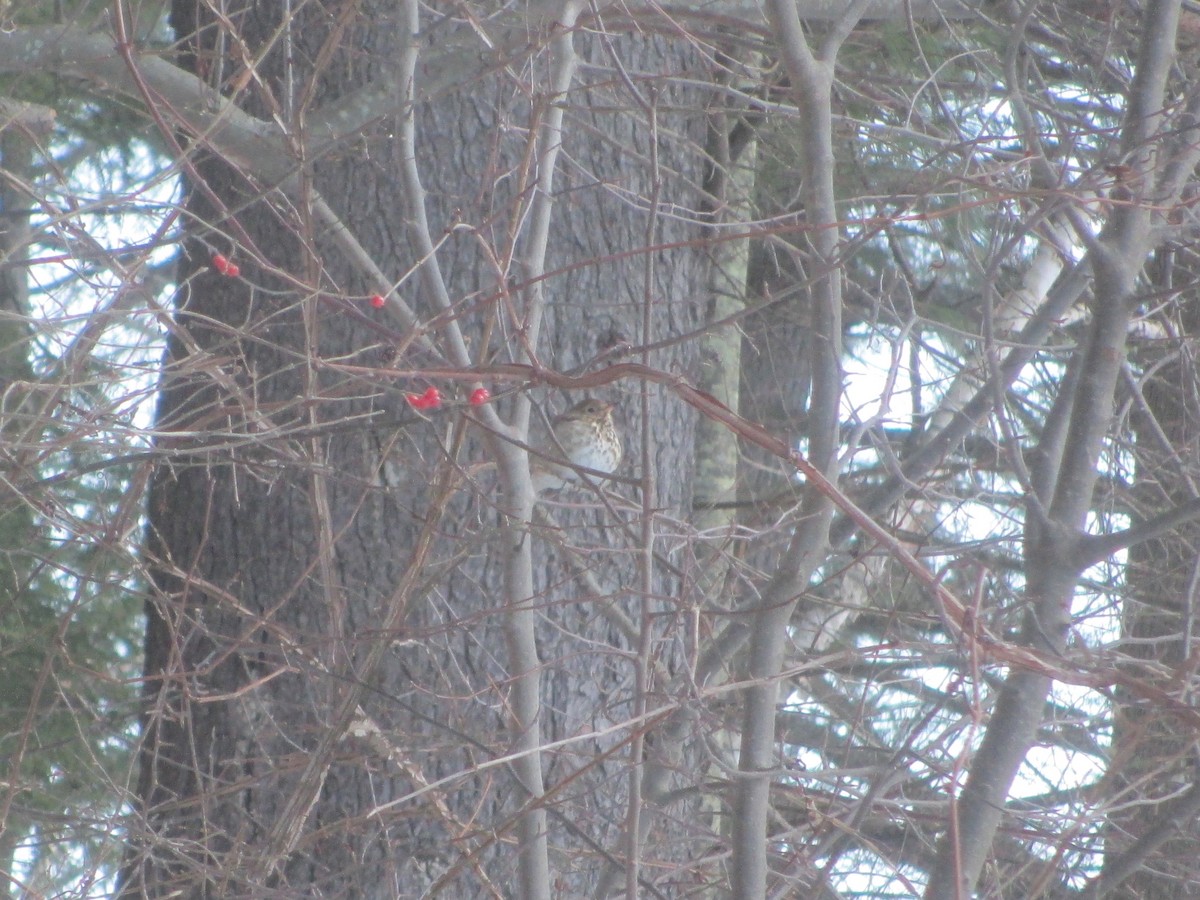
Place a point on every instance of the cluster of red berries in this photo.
(432, 398)
(222, 264)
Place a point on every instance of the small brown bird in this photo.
(588, 437)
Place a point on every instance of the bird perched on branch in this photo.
(587, 436)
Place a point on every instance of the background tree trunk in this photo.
(277, 556)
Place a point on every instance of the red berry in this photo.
(377, 301)
(220, 263)
(480, 396)
(431, 399)
(232, 270)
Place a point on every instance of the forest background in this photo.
(893, 593)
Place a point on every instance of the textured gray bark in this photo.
(276, 556)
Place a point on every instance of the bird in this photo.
(586, 436)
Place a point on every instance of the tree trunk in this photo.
(298, 504)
